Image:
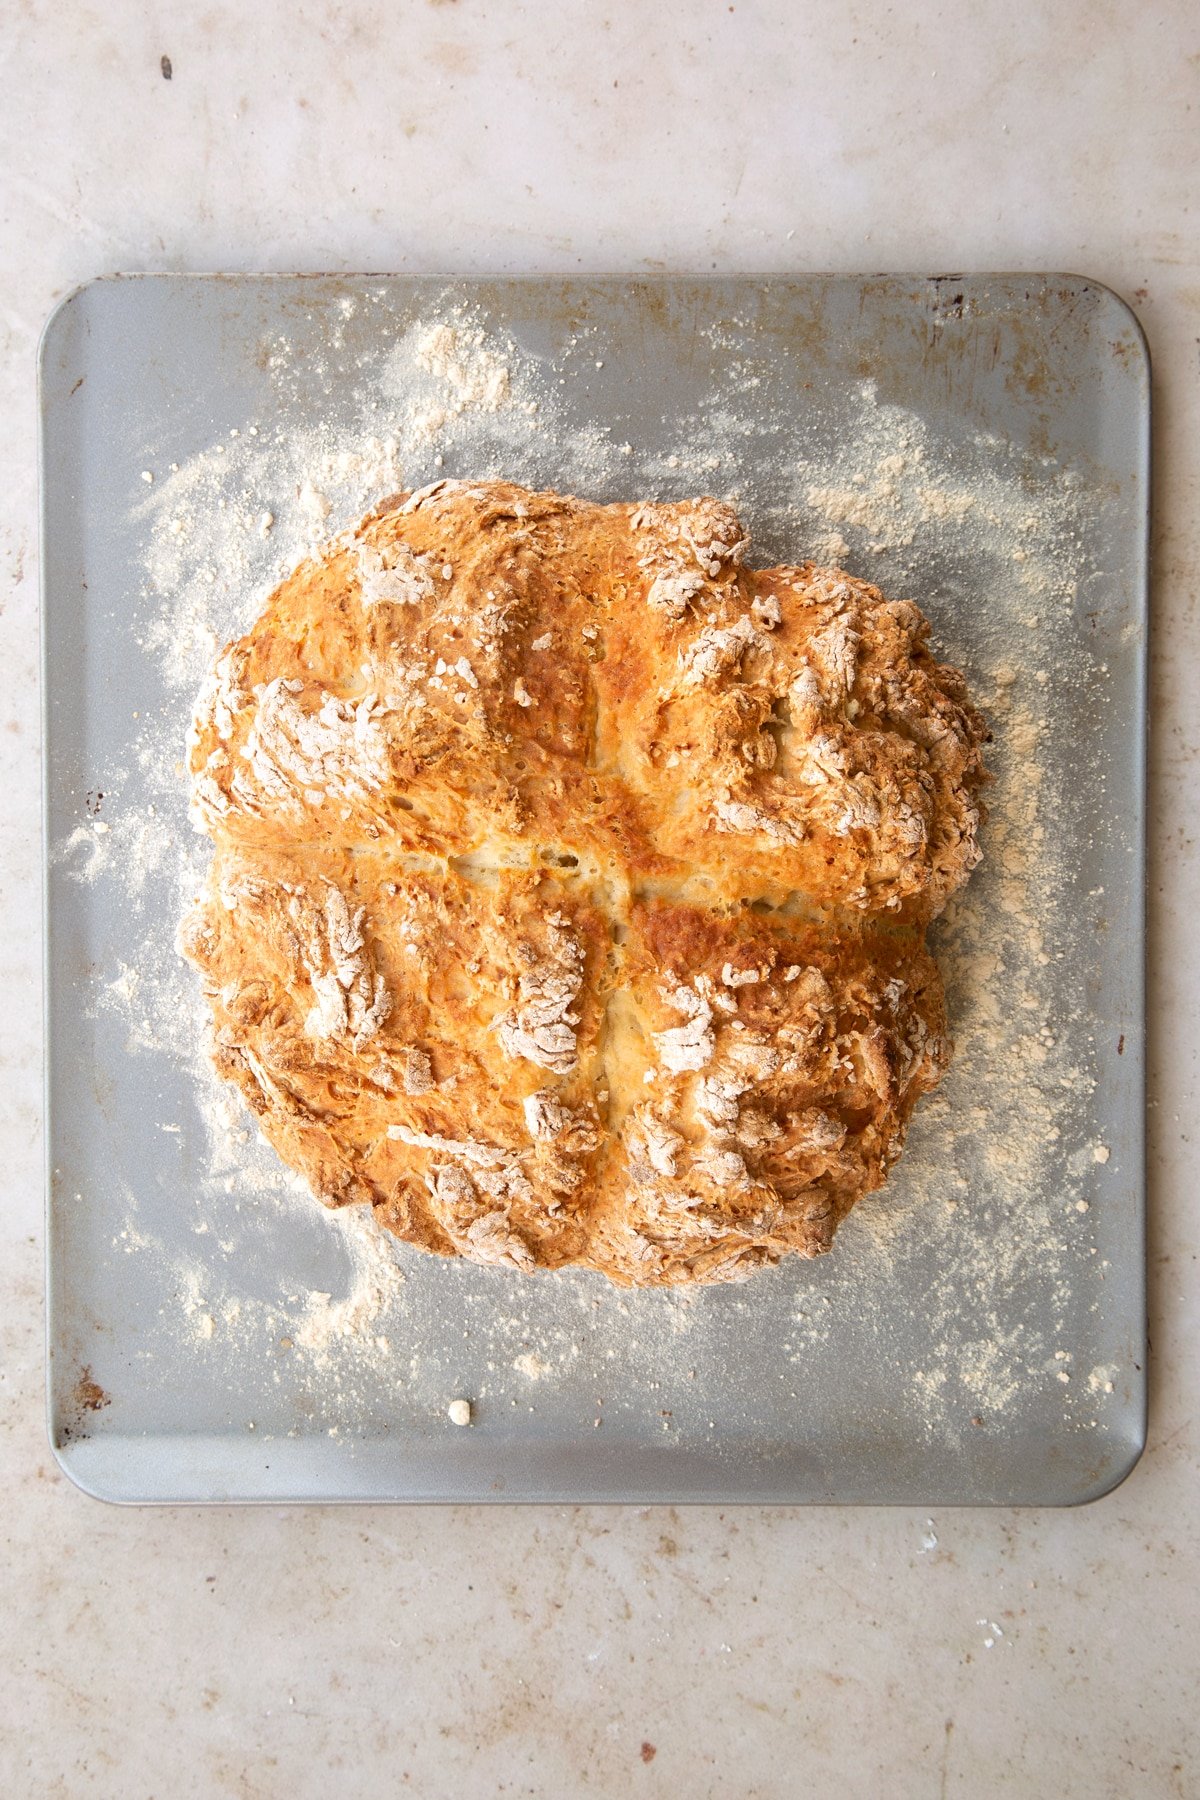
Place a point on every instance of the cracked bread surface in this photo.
(571, 880)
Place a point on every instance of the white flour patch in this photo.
(378, 1280)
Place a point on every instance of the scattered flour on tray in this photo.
(982, 1201)
(378, 1279)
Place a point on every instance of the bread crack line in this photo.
(577, 869)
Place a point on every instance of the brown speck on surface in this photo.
(89, 1396)
(1121, 1045)
(648, 1752)
(167, 71)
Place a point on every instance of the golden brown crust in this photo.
(571, 880)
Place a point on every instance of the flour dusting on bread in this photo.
(580, 878)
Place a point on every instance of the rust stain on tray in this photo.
(86, 1396)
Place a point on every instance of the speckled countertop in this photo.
(559, 1651)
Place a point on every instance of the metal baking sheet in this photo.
(913, 1364)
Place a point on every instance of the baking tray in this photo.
(977, 1335)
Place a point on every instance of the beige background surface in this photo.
(605, 1652)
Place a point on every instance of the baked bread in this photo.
(571, 879)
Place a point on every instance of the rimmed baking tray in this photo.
(979, 443)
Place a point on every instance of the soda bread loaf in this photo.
(571, 880)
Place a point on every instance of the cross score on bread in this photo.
(571, 879)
